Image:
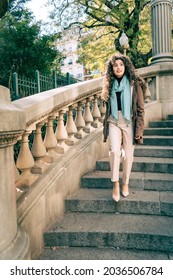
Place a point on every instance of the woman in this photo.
(123, 92)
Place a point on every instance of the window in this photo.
(70, 61)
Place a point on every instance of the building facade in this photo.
(68, 46)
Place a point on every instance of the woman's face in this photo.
(119, 68)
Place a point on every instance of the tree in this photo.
(131, 16)
(23, 49)
(3, 7)
(94, 50)
(15, 5)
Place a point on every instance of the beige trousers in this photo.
(120, 136)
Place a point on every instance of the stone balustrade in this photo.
(67, 114)
(46, 107)
(58, 132)
(159, 98)
(66, 120)
(73, 111)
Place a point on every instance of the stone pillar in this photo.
(14, 242)
(161, 31)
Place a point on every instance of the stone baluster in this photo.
(102, 111)
(16, 173)
(14, 242)
(16, 178)
(38, 151)
(147, 97)
(25, 162)
(88, 118)
(80, 123)
(96, 112)
(71, 127)
(61, 134)
(50, 140)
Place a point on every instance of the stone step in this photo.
(138, 202)
(142, 164)
(153, 151)
(158, 140)
(138, 180)
(170, 117)
(126, 231)
(159, 131)
(161, 124)
(90, 253)
(139, 226)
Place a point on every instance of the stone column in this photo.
(14, 242)
(161, 31)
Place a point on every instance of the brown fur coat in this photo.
(138, 91)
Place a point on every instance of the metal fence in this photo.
(23, 86)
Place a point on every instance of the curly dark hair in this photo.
(130, 70)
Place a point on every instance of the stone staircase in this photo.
(139, 226)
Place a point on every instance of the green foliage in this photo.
(131, 16)
(15, 5)
(94, 50)
(23, 49)
(3, 7)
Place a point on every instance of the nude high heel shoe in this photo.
(116, 192)
(125, 190)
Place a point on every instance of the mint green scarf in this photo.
(125, 89)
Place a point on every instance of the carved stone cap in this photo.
(9, 138)
(13, 121)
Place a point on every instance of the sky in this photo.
(38, 8)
